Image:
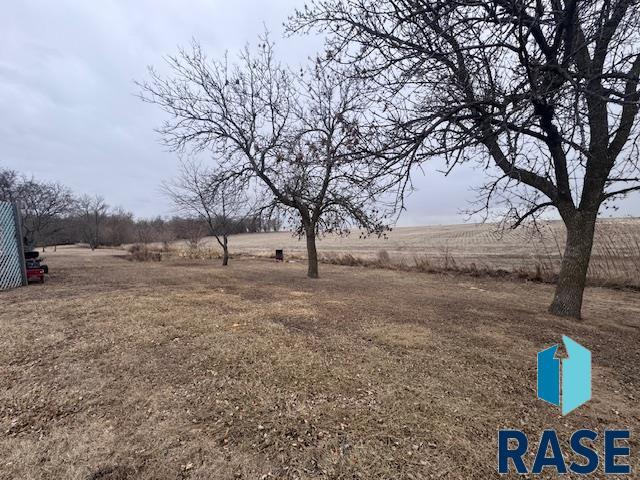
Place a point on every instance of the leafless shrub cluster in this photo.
(201, 253)
(141, 252)
(144, 253)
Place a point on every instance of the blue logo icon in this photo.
(567, 387)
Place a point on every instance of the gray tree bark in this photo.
(567, 301)
(225, 251)
(312, 253)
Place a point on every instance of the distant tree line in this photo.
(53, 215)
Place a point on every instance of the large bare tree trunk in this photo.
(225, 251)
(567, 301)
(312, 253)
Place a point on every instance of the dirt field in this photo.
(615, 259)
(477, 242)
(188, 370)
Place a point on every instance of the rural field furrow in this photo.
(616, 251)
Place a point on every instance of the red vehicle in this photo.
(35, 271)
(35, 275)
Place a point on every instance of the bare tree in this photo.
(193, 230)
(91, 212)
(201, 192)
(119, 227)
(298, 142)
(544, 94)
(43, 206)
(9, 181)
(157, 229)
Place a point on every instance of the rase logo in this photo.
(514, 444)
(565, 383)
(569, 386)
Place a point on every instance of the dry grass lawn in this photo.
(188, 370)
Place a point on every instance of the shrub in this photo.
(197, 253)
(140, 252)
(384, 258)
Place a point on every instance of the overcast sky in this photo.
(68, 110)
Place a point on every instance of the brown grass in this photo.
(183, 369)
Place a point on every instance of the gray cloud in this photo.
(69, 111)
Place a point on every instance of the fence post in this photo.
(17, 217)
